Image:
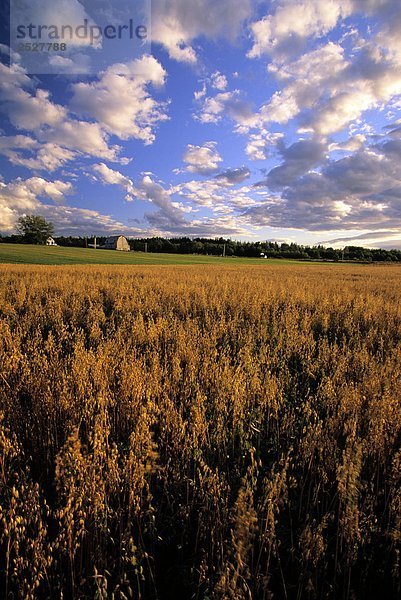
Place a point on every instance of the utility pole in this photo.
(224, 250)
(94, 243)
(146, 246)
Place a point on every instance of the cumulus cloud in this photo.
(369, 81)
(299, 158)
(206, 193)
(219, 81)
(232, 176)
(24, 151)
(85, 137)
(23, 196)
(388, 23)
(354, 143)
(86, 222)
(202, 159)
(168, 214)
(359, 191)
(324, 91)
(262, 143)
(221, 193)
(29, 110)
(256, 147)
(112, 177)
(286, 30)
(326, 88)
(177, 23)
(199, 94)
(231, 104)
(57, 13)
(20, 197)
(219, 225)
(120, 101)
(304, 81)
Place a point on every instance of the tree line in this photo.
(220, 246)
(33, 229)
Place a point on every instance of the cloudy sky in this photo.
(274, 119)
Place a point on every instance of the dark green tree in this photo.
(35, 229)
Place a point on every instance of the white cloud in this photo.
(262, 143)
(56, 190)
(85, 137)
(219, 193)
(113, 177)
(387, 16)
(198, 95)
(27, 110)
(45, 156)
(202, 159)
(335, 89)
(225, 103)
(168, 212)
(285, 31)
(307, 79)
(326, 91)
(256, 147)
(203, 193)
(177, 23)
(57, 13)
(371, 80)
(168, 215)
(23, 196)
(353, 144)
(11, 143)
(86, 222)
(120, 101)
(219, 81)
(32, 110)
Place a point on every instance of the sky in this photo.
(254, 120)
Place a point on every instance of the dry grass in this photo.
(205, 433)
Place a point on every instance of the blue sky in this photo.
(261, 120)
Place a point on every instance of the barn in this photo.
(117, 242)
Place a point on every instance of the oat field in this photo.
(200, 432)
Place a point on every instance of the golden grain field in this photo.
(202, 433)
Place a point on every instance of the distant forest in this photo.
(220, 246)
